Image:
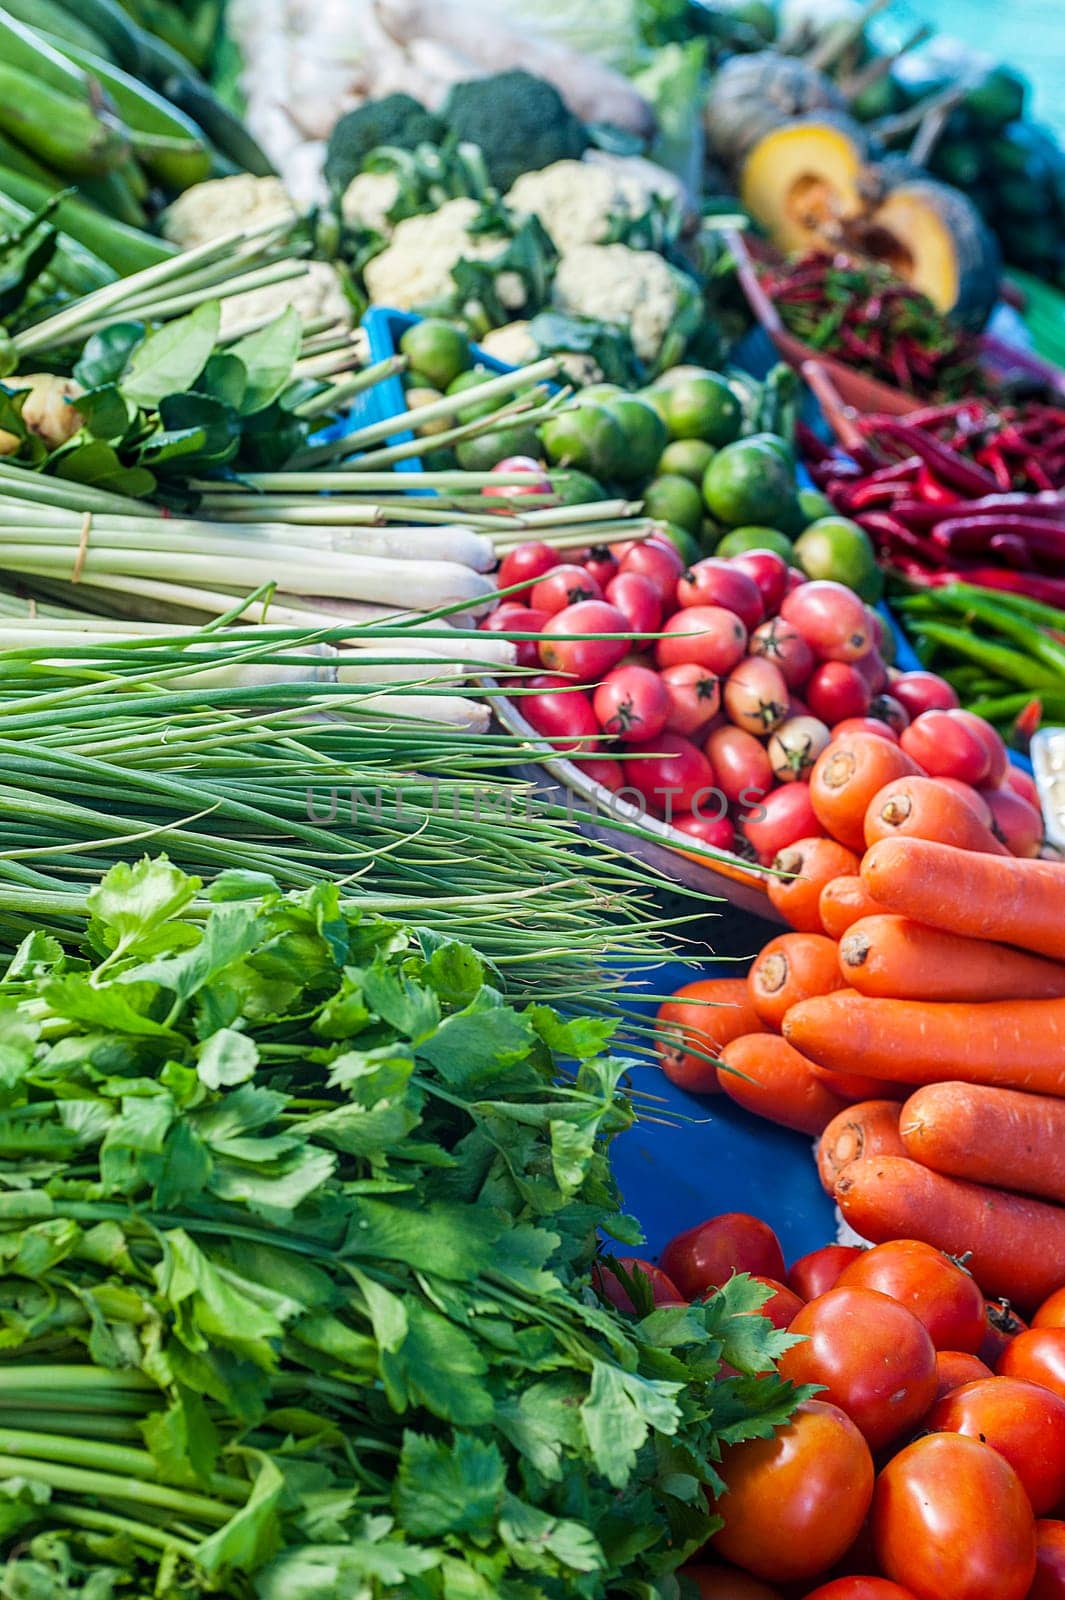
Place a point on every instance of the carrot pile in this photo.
(914, 1020)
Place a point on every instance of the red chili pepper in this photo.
(929, 488)
(948, 466)
(973, 534)
(869, 496)
(1027, 721)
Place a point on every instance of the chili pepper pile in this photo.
(867, 317)
(959, 492)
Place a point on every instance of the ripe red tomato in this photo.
(638, 599)
(1051, 1313)
(1018, 824)
(769, 571)
(717, 833)
(525, 565)
(1049, 1581)
(694, 697)
(940, 1294)
(669, 773)
(718, 583)
(957, 1367)
(815, 1273)
(755, 696)
(565, 585)
(944, 747)
(706, 1256)
(782, 644)
(1038, 1354)
(513, 618)
(727, 1583)
(1023, 1421)
(882, 730)
(786, 816)
(658, 560)
(741, 766)
(1001, 1324)
(860, 1588)
(1023, 783)
(831, 618)
(836, 691)
(783, 1306)
(600, 565)
(663, 1291)
(586, 659)
(556, 709)
(885, 708)
(606, 771)
(631, 703)
(873, 1356)
(992, 741)
(520, 464)
(923, 691)
(872, 668)
(710, 635)
(794, 1503)
(950, 1517)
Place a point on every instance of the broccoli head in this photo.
(520, 122)
(397, 120)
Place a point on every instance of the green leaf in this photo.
(253, 1534)
(106, 353)
(183, 1441)
(225, 379)
(37, 954)
(199, 413)
(575, 1038)
(386, 1311)
(751, 1343)
(620, 1410)
(443, 1487)
(114, 1009)
(475, 1047)
(106, 414)
(543, 1422)
(227, 1058)
(134, 904)
(172, 358)
(454, 970)
(542, 1543)
(230, 933)
(452, 1241)
(268, 357)
(439, 1367)
(208, 1308)
(98, 465)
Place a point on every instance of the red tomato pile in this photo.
(717, 724)
(931, 1465)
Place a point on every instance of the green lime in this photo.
(687, 457)
(748, 482)
(645, 436)
(710, 536)
(813, 505)
(836, 548)
(686, 545)
(575, 488)
(439, 460)
(674, 499)
(438, 349)
(656, 399)
(589, 437)
(703, 408)
(413, 379)
(757, 538)
(773, 441)
(481, 453)
(679, 374)
(470, 380)
(600, 392)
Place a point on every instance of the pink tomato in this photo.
(558, 710)
(831, 618)
(600, 565)
(836, 692)
(709, 635)
(717, 833)
(923, 691)
(794, 748)
(520, 464)
(605, 771)
(658, 560)
(741, 765)
(1014, 821)
(1023, 783)
(885, 708)
(781, 818)
(718, 583)
(944, 747)
(670, 773)
(782, 644)
(769, 571)
(512, 618)
(525, 565)
(873, 670)
(755, 696)
(694, 697)
(632, 703)
(564, 586)
(993, 743)
(882, 730)
(587, 659)
(639, 598)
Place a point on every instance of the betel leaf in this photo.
(268, 356)
(194, 411)
(104, 358)
(98, 465)
(224, 379)
(172, 358)
(106, 413)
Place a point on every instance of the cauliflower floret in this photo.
(511, 344)
(416, 268)
(222, 205)
(319, 293)
(368, 199)
(577, 201)
(640, 180)
(635, 288)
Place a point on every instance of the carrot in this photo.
(1014, 1044)
(896, 958)
(1015, 1246)
(923, 808)
(697, 1022)
(1007, 899)
(854, 1087)
(997, 1136)
(973, 796)
(776, 1084)
(868, 1129)
(813, 863)
(845, 901)
(791, 968)
(846, 776)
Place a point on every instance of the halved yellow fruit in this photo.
(802, 181)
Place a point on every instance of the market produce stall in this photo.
(532, 689)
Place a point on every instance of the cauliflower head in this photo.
(581, 202)
(416, 270)
(512, 344)
(222, 205)
(368, 199)
(318, 293)
(659, 305)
